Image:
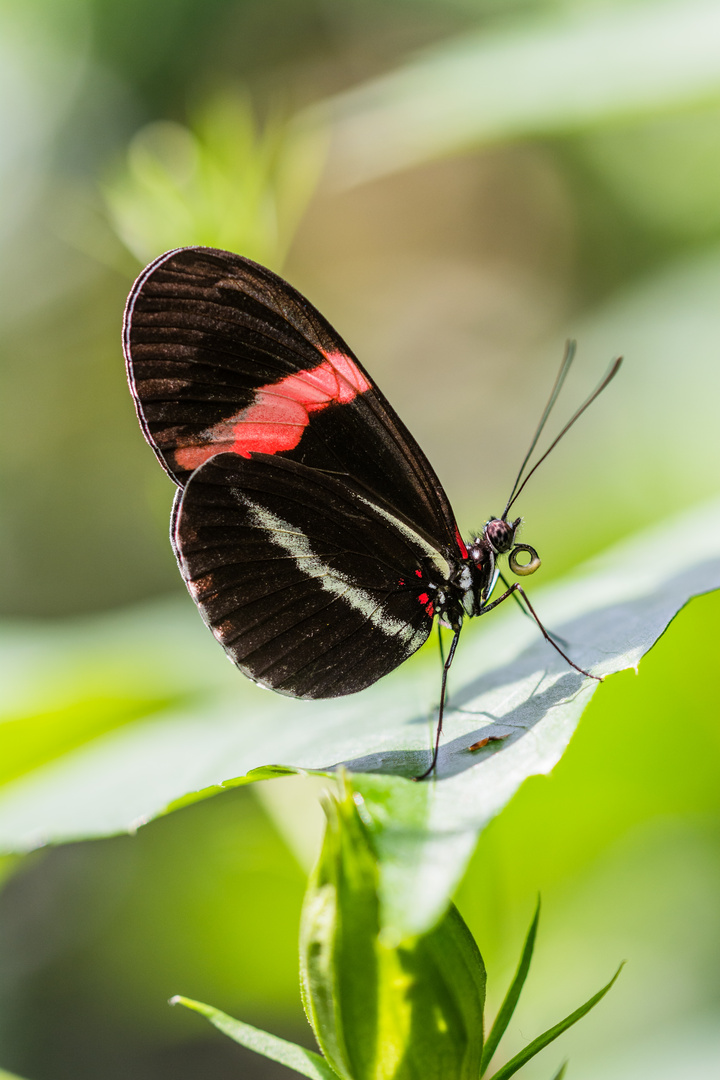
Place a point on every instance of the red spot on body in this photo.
(279, 413)
(423, 598)
(461, 544)
(430, 608)
(418, 573)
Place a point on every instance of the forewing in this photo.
(311, 589)
(223, 355)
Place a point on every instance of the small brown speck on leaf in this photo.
(488, 739)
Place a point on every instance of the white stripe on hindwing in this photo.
(297, 546)
(411, 535)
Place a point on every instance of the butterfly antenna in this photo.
(612, 372)
(568, 357)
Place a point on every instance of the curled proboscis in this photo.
(523, 569)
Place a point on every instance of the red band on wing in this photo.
(279, 413)
(460, 544)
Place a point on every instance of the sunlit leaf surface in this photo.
(148, 714)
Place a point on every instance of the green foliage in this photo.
(382, 1009)
(225, 181)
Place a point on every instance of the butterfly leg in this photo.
(442, 656)
(443, 689)
(440, 644)
(555, 637)
(516, 587)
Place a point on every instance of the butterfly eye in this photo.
(523, 569)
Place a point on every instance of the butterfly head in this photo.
(500, 535)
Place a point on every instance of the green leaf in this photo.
(384, 1009)
(561, 1071)
(571, 70)
(131, 767)
(339, 963)
(513, 995)
(4, 1075)
(459, 965)
(533, 1048)
(305, 1062)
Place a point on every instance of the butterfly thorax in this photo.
(469, 582)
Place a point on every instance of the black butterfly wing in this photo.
(312, 590)
(223, 355)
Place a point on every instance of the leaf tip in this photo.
(179, 999)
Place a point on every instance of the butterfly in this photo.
(310, 528)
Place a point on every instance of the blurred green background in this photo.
(459, 185)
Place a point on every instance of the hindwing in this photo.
(313, 590)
